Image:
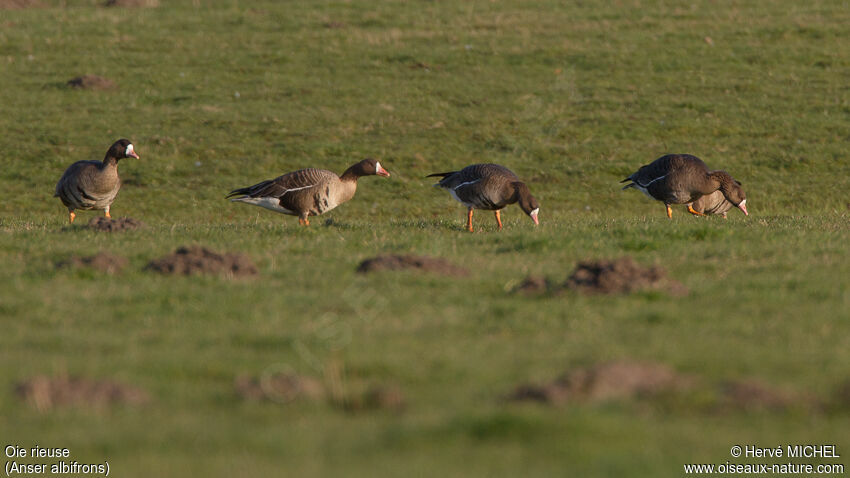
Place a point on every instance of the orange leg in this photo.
(469, 221)
(498, 219)
(693, 211)
(303, 221)
(71, 216)
(106, 213)
(669, 211)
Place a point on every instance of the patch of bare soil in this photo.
(620, 276)
(373, 397)
(842, 395)
(200, 260)
(19, 4)
(131, 3)
(46, 393)
(533, 285)
(422, 66)
(102, 261)
(91, 82)
(285, 387)
(627, 380)
(105, 224)
(279, 387)
(751, 395)
(612, 381)
(394, 262)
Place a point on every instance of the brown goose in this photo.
(490, 187)
(308, 192)
(713, 203)
(93, 184)
(682, 179)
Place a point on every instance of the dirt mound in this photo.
(19, 4)
(105, 224)
(606, 277)
(373, 397)
(619, 276)
(534, 285)
(394, 262)
(45, 393)
(348, 395)
(612, 381)
(131, 3)
(754, 395)
(842, 395)
(627, 380)
(200, 260)
(279, 387)
(102, 261)
(91, 82)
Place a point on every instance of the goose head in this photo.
(526, 201)
(368, 167)
(121, 149)
(732, 190)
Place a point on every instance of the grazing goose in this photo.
(713, 203)
(682, 179)
(308, 192)
(490, 187)
(93, 184)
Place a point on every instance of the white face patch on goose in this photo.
(534, 212)
(129, 150)
(377, 167)
(743, 203)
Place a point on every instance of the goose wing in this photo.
(482, 186)
(75, 187)
(290, 182)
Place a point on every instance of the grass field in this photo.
(572, 97)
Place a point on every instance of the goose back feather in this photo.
(480, 186)
(307, 192)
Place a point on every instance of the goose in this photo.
(307, 192)
(682, 179)
(490, 187)
(94, 184)
(713, 203)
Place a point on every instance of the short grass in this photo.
(573, 97)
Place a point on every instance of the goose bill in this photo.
(533, 215)
(381, 171)
(743, 207)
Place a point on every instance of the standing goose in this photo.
(93, 184)
(490, 187)
(682, 179)
(308, 192)
(713, 203)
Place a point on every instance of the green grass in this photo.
(571, 97)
